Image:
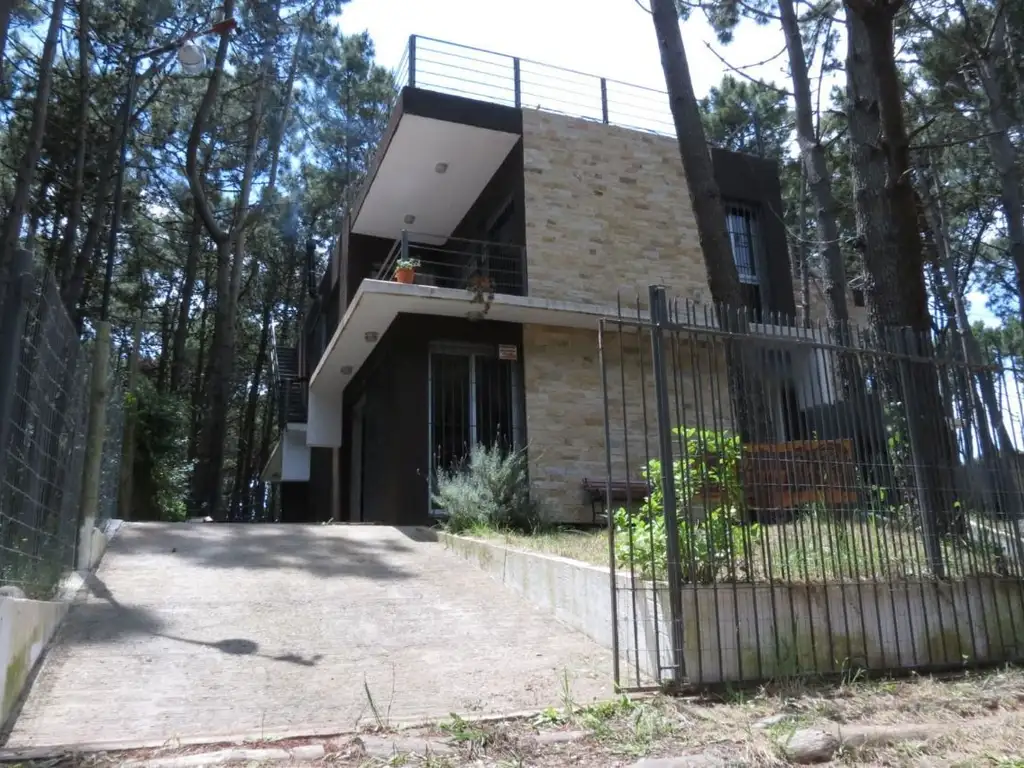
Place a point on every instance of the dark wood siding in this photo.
(394, 383)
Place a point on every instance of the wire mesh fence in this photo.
(811, 501)
(43, 417)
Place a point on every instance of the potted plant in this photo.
(405, 270)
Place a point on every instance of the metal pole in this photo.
(662, 396)
(604, 101)
(115, 220)
(517, 79)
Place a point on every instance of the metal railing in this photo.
(817, 506)
(462, 70)
(483, 268)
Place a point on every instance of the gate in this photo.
(790, 501)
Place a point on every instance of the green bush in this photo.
(490, 490)
(709, 544)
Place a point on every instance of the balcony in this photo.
(457, 116)
(479, 267)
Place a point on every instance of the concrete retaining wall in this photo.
(27, 626)
(747, 632)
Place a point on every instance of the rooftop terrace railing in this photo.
(474, 73)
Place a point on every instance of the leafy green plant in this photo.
(407, 263)
(709, 541)
(490, 489)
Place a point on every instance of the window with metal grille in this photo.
(742, 224)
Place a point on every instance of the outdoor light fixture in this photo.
(409, 218)
(191, 59)
(441, 167)
(346, 370)
(371, 336)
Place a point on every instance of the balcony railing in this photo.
(483, 268)
(437, 65)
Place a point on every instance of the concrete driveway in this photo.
(212, 631)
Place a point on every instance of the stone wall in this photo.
(818, 305)
(607, 210)
(565, 408)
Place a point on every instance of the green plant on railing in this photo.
(712, 539)
(407, 263)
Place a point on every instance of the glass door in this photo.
(474, 399)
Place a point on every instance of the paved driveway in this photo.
(211, 631)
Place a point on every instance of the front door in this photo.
(474, 399)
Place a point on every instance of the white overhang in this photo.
(431, 173)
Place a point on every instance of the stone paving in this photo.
(215, 631)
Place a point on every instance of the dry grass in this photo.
(980, 718)
(813, 548)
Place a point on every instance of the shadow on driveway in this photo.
(96, 623)
(248, 546)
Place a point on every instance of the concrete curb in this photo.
(224, 741)
(225, 756)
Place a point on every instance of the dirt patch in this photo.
(972, 720)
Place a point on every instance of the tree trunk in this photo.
(751, 410)
(208, 475)
(1004, 155)
(198, 377)
(30, 160)
(6, 6)
(188, 287)
(897, 282)
(74, 219)
(242, 496)
(817, 174)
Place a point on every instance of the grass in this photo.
(812, 548)
(976, 720)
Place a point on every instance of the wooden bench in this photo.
(781, 476)
(597, 491)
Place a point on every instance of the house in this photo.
(528, 224)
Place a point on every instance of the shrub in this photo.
(708, 543)
(490, 489)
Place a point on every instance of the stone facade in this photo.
(607, 211)
(565, 409)
(819, 310)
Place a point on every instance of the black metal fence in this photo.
(818, 501)
(44, 372)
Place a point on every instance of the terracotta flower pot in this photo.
(405, 275)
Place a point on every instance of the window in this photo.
(742, 224)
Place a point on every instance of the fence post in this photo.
(604, 100)
(662, 396)
(517, 79)
(126, 470)
(94, 438)
(12, 327)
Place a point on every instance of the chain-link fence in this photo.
(43, 416)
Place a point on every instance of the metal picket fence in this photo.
(800, 501)
(43, 415)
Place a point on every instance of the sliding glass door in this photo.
(474, 399)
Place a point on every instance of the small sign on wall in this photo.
(508, 352)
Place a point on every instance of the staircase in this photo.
(291, 390)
